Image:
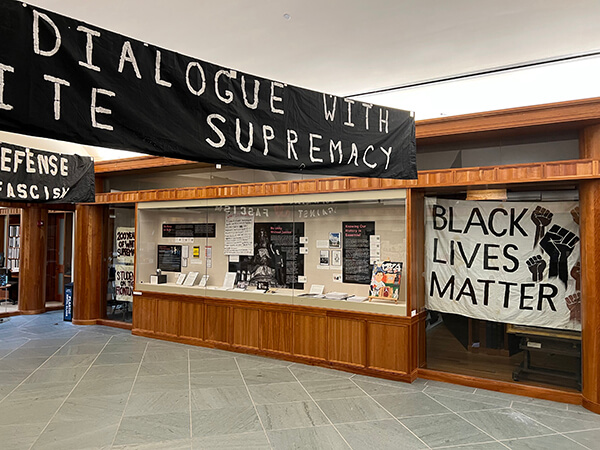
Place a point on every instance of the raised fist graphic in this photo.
(559, 243)
(536, 266)
(574, 304)
(575, 214)
(576, 274)
(541, 218)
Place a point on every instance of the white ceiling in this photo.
(349, 47)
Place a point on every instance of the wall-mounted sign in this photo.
(195, 230)
(511, 262)
(30, 175)
(65, 79)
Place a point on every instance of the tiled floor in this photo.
(71, 387)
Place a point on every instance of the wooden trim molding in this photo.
(577, 113)
(556, 395)
(555, 171)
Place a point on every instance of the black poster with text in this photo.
(356, 267)
(64, 79)
(36, 176)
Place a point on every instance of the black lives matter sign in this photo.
(509, 262)
(68, 80)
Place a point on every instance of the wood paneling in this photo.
(277, 331)
(346, 341)
(167, 317)
(415, 250)
(144, 313)
(309, 333)
(32, 271)
(246, 327)
(90, 270)
(589, 213)
(387, 347)
(216, 323)
(192, 320)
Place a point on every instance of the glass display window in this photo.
(343, 251)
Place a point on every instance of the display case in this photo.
(339, 251)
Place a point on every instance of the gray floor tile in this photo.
(506, 423)
(116, 372)
(153, 428)
(258, 362)
(118, 358)
(216, 379)
(29, 364)
(158, 402)
(178, 444)
(42, 391)
(213, 365)
(17, 437)
(108, 408)
(278, 393)
(13, 377)
(589, 438)
(262, 376)
(80, 349)
(492, 445)
(89, 434)
(478, 396)
(44, 352)
(315, 438)
(152, 383)
(337, 388)
(564, 421)
(69, 361)
(125, 347)
(291, 415)
(100, 387)
(164, 355)
(220, 397)
(357, 409)
(161, 368)
(407, 405)
(313, 373)
(543, 443)
(381, 434)
(383, 389)
(461, 404)
(444, 430)
(22, 411)
(225, 421)
(253, 441)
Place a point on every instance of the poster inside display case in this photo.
(279, 249)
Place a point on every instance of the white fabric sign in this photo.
(124, 282)
(511, 262)
(125, 243)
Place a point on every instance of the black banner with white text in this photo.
(64, 79)
(30, 175)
